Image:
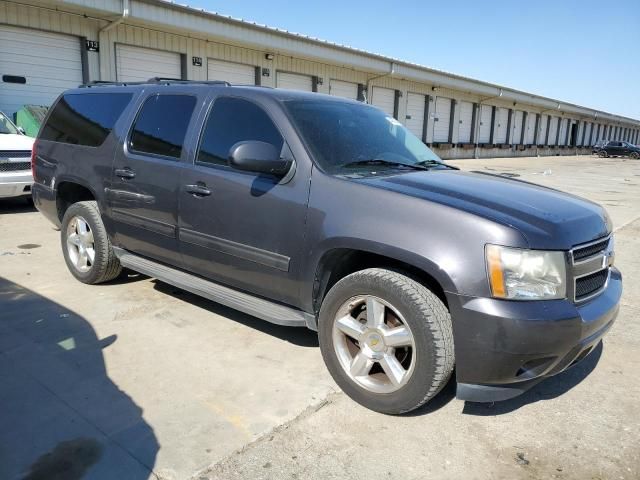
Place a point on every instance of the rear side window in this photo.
(85, 119)
(233, 120)
(162, 125)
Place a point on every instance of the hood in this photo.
(547, 218)
(10, 141)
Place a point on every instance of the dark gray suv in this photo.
(313, 211)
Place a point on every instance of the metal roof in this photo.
(401, 68)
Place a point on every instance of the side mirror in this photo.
(258, 157)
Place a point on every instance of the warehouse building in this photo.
(51, 45)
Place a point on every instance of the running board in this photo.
(244, 302)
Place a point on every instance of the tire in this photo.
(427, 363)
(104, 265)
(602, 154)
(634, 155)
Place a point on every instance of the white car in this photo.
(15, 160)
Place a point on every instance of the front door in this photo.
(238, 228)
(143, 197)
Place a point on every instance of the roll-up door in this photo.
(502, 116)
(415, 113)
(384, 99)
(517, 127)
(587, 134)
(48, 63)
(484, 129)
(342, 89)
(294, 81)
(563, 132)
(530, 134)
(553, 130)
(544, 120)
(466, 116)
(136, 64)
(234, 73)
(442, 120)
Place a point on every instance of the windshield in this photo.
(349, 137)
(6, 125)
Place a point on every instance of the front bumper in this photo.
(503, 347)
(15, 184)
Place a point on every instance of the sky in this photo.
(585, 52)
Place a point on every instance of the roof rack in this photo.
(156, 81)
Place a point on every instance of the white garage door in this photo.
(502, 116)
(384, 99)
(49, 62)
(342, 89)
(294, 81)
(544, 120)
(442, 120)
(530, 135)
(563, 131)
(464, 126)
(517, 128)
(415, 113)
(587, 134)
(136, 64)
(484, 131)
(234, 73)
(553, 130)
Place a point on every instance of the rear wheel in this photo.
(86, 247)
(386, 340)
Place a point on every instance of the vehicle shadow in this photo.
(61, 416)
(16, 205)
(548, 389)
(300, 336)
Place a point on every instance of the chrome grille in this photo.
(588, 285)
(14, 166)
(5, 154)
(591, 263)
(585, 252)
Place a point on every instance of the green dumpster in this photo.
(30, 117)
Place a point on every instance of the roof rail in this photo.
(155, 81)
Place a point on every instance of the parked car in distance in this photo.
(616, 148)
(15, 160)
(314, 211)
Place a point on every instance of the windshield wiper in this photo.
(435, 163)
(379, 161)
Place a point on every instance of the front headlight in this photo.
(521, 274)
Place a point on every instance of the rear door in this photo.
(143, 197)
(243, 229)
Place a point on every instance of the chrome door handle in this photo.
(125, 173)
(198, 190)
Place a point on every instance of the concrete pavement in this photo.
(136, 379)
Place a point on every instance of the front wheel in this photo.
(635, 155)
(602, 154)
(386, 339)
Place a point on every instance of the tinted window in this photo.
(340, 133)
(233, 120)
(85, 119)
(162, 125)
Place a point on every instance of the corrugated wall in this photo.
(102, 65)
